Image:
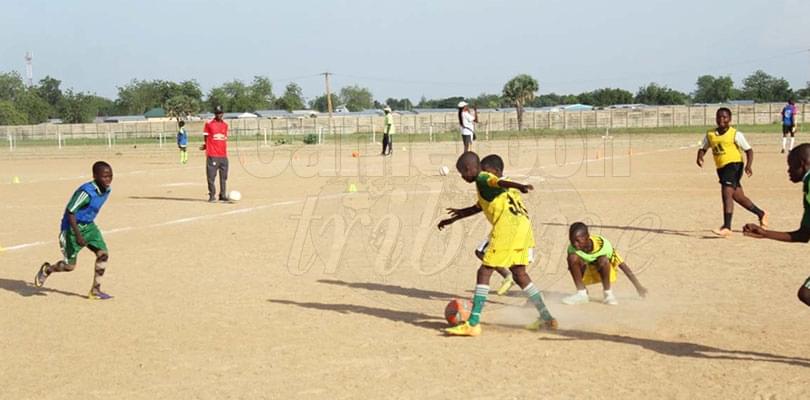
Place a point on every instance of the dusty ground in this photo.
(303, 290)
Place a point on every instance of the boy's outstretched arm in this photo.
(641, 290)
(700, 154)
(755, 231)
(749, 155)
(457, 214)
(515, 185)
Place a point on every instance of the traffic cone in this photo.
(352, 188)
(15, 179)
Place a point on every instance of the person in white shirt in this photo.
(466, 121)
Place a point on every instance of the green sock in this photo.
(537, 300)
(480, 297)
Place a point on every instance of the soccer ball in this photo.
(457, 311)
(234, 195)
(443, 171)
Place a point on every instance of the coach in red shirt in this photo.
(216, 155)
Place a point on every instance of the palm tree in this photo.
(518, 91)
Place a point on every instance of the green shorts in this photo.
(70, 249)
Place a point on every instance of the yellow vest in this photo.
(724, 150)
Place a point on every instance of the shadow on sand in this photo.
(26, 289)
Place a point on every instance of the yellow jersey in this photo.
(504, 209)
(724, 147)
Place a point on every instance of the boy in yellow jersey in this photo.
(509, 241)
(799, 171)
(592, 259)
(727, 145)
(493, 164)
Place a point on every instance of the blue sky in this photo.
(407, 49)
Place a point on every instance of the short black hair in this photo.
(181, 123)
(492, 161)
(800, 152)
(721, 109)
(577, 228)
(99, 165)
(467, 158)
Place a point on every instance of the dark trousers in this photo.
(212, 165)
(387, 144)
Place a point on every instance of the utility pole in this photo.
(331, 125)
(29, 68)
(328, 101)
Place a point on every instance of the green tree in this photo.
(78, 108)
(11, 86)
(356, 98)
(10, 115)
(762, 87)
(35, 109)
(292, 99)
(261, 94)
(319, 103)
(546, 100)
(485, 100)
(606, 97)
(397, 104)
(181, 106)
(137, 97)
(518, 91)
(48, 89)
(448, 102)
(804, 93)
(653, 94)
(235, 96)
(712, 89)
(104, 107)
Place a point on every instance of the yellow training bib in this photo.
(724, 150)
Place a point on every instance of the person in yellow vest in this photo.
(727, 145)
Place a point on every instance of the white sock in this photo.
(784, 142)
(582, 292)
(608, 293)
(791, 143)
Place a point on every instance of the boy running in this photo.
(78, 230)
(509, 242)
(726, 143)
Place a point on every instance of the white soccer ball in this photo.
(443, 171)
(234, 195)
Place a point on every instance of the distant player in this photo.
(388, 143)
(466, 121)
(509, 244)
(78, 230)
(592, 259)
(182, 142)
(799, 171)
(727, 144)
(788, 124)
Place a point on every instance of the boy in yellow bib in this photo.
(592, 259)
(509, 241)
(727, 145)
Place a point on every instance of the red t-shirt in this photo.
(216, 138)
